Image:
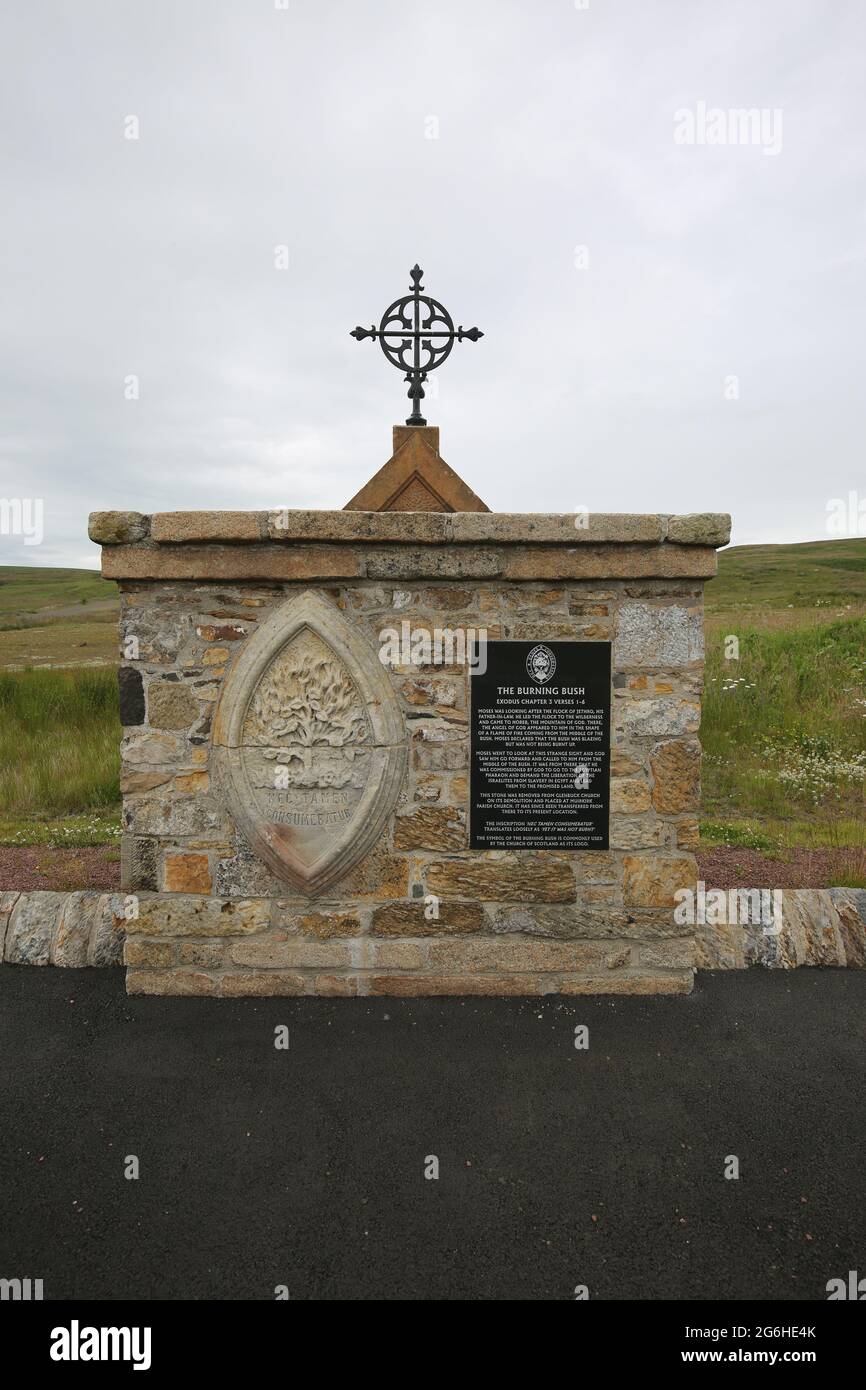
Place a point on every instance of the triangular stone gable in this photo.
(416, 479)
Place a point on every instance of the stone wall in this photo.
(815, 927)
(221, 910)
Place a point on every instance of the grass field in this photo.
(56, 617)
(784, 724)
(59, 764)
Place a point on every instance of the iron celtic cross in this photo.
(416, 334)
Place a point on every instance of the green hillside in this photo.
(816, 574)
(29, 589)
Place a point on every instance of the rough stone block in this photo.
(170, 705)
(559, 528)
(157, 954)
(117, 528)
(676, 771)
(295, 953)
(628, 796)
(511, 878)
(109, 931)
(414, 528)
(187, 873)
(666, 716)
(261, 983)
(521, 954)
(8, 899)
(657, 636)
(423, 986)
(653, 880)
(393, 955)
(411, 919)
(678, 953)
(138, 864)
(207, 954)
(200, 916)
(169, 982)
(75, 925)
(32, 926)
(441, 827)
(150, 749)
(572, 922)
(669, 982)
(320, 926)
(850, 905)
(130, 695)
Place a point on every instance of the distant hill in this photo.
(29, 589)
(815, 573)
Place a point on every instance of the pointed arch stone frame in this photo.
(387, 744)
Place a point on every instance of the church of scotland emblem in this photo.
(541, 664)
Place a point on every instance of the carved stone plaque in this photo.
(309, 745)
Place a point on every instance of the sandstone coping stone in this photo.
(310, 562)
(288, 524)
(118, 528)
(420, 528)
(227, 562)
(443, 562)
(184, 527)
(611, 561)
(700, 528)
(560, 528)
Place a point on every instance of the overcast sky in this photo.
(669, 326)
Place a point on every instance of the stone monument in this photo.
(412, 747)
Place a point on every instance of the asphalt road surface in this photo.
(304, 1167)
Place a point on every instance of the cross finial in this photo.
(415, 340)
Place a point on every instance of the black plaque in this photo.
(540, 770)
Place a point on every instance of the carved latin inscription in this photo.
(309, 744)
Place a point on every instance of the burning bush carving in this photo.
(312, 703)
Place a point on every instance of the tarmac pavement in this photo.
(303, 1167)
